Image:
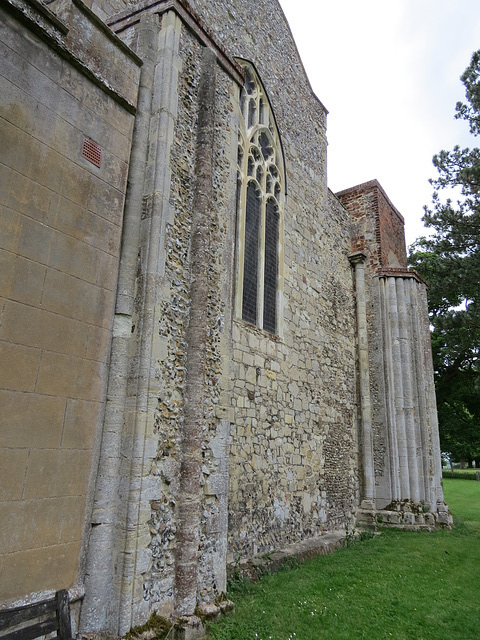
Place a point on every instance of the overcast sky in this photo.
(388, 72)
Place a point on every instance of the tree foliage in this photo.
(449, 260)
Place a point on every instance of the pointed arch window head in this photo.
(260, 204)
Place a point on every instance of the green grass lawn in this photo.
(400, 585)
(460, 473)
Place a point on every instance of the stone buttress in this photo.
(400, 448)
(161, 496)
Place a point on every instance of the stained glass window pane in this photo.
(265, 145)
(250, 266)
(259, 207)
(252, 113)
(271, 267)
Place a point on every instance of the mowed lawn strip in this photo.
(468, 474)
(402, 585)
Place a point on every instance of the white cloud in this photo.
(388, 72)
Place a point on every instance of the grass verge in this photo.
(400, 585)
(463, 474)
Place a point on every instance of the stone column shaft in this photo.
(189, 495)
(436, 496)
(358, 262)
(397, 378)
(407, 377)
(390, 393)
(420, 398)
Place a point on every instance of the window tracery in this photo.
(260, 202)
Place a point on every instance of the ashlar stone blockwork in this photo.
(60, 236)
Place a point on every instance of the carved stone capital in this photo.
(357, 258)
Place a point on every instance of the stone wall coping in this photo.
(192, 21)
(108, 32)
(59, 36)
(371, 185)
(34, 13)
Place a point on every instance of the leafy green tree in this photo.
(449, 260)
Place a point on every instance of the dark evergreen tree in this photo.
(449, 260)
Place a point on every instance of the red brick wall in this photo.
(377, 227)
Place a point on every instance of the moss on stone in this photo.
(156, 628)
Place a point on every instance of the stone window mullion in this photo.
(240, 239)
(261, 263)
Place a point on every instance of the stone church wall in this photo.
(61, 222)
(293, 397)
(293, 440)
(154, 436)
(285, 406)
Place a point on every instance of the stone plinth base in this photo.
(256, 567)
(367, 518)
(193, 627)
(405, 514)
(444, 517)
(189, 628)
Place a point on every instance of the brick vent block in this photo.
(92, 152)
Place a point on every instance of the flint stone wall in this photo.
(173, 314)
(293, 444)
(292, 398)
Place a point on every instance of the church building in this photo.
(205, 354)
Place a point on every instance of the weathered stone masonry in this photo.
(405, 457)
(61, 229)
(151, 434)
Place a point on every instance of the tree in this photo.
(449, 260)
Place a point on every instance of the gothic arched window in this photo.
(260, 202)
